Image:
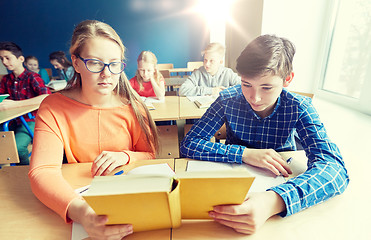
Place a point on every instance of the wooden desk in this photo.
(10, 114)
(189, 110)
(23, 216)
(342, 218)
(174, 81)
(168, 110)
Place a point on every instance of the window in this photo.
(348, 68)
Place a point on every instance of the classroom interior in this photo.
(332, 61)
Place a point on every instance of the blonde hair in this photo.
(90, 29)
(214, 47)
(148, 57)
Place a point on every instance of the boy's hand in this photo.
(217, 90)
(251, 214)
(7, 104)
(267, 158)
(107, 161)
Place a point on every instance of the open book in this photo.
(149, 102)
(57, 85)
(202, 101)
(3, 96)
(153, 197)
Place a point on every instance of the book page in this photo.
(162, 169)
(126, 184)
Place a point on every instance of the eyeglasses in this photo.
(97, 66)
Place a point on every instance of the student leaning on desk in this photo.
(148, 81)
(261, 118)
(24, 88)
(212, 77)
(99, 119)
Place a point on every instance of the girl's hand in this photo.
(248, 217)
(107, 161)
(93, 224)
(267, 158)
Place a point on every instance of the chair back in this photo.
(311, 95)
(8, 148)
(164, 66)
(194, 65)
(165, 73)
(50, 72)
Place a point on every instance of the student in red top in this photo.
(148, 81)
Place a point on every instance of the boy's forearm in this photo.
(28, 102)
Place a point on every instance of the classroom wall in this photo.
(305, 24)
(169, 28)
(244, 25)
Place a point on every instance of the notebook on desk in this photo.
(202, 101)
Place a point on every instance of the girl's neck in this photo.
(98, 100)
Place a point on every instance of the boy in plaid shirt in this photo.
(24, 88)
(261, 118)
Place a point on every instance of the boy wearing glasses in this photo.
(25, 88)
(261, 117)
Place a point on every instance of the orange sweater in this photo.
(83, 132)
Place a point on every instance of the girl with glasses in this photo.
(98, 118)
(148, 81)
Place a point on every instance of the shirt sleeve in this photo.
(325, 176)
(44, 75)
(191, 86)
(38, 85)
(3, 85)
(47, 181)
(197, 145)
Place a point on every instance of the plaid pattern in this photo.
(25, 86)
(326, 175)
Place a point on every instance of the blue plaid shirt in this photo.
(326, 175)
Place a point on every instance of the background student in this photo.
(24, 88)
(212, 77)
(261, 117)
(148, 81)
(99, 119)
(32, 64)
(60, 62)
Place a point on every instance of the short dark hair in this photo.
(60, 56)
(11, 47)
(266, 54)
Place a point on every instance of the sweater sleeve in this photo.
(45, 173)
(191, 86)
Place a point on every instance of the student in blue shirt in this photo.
(60, 62)
(261, 117)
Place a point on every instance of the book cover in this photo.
(147, 202)
(200, 191)
(3, 96)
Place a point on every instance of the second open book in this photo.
(154, 197)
